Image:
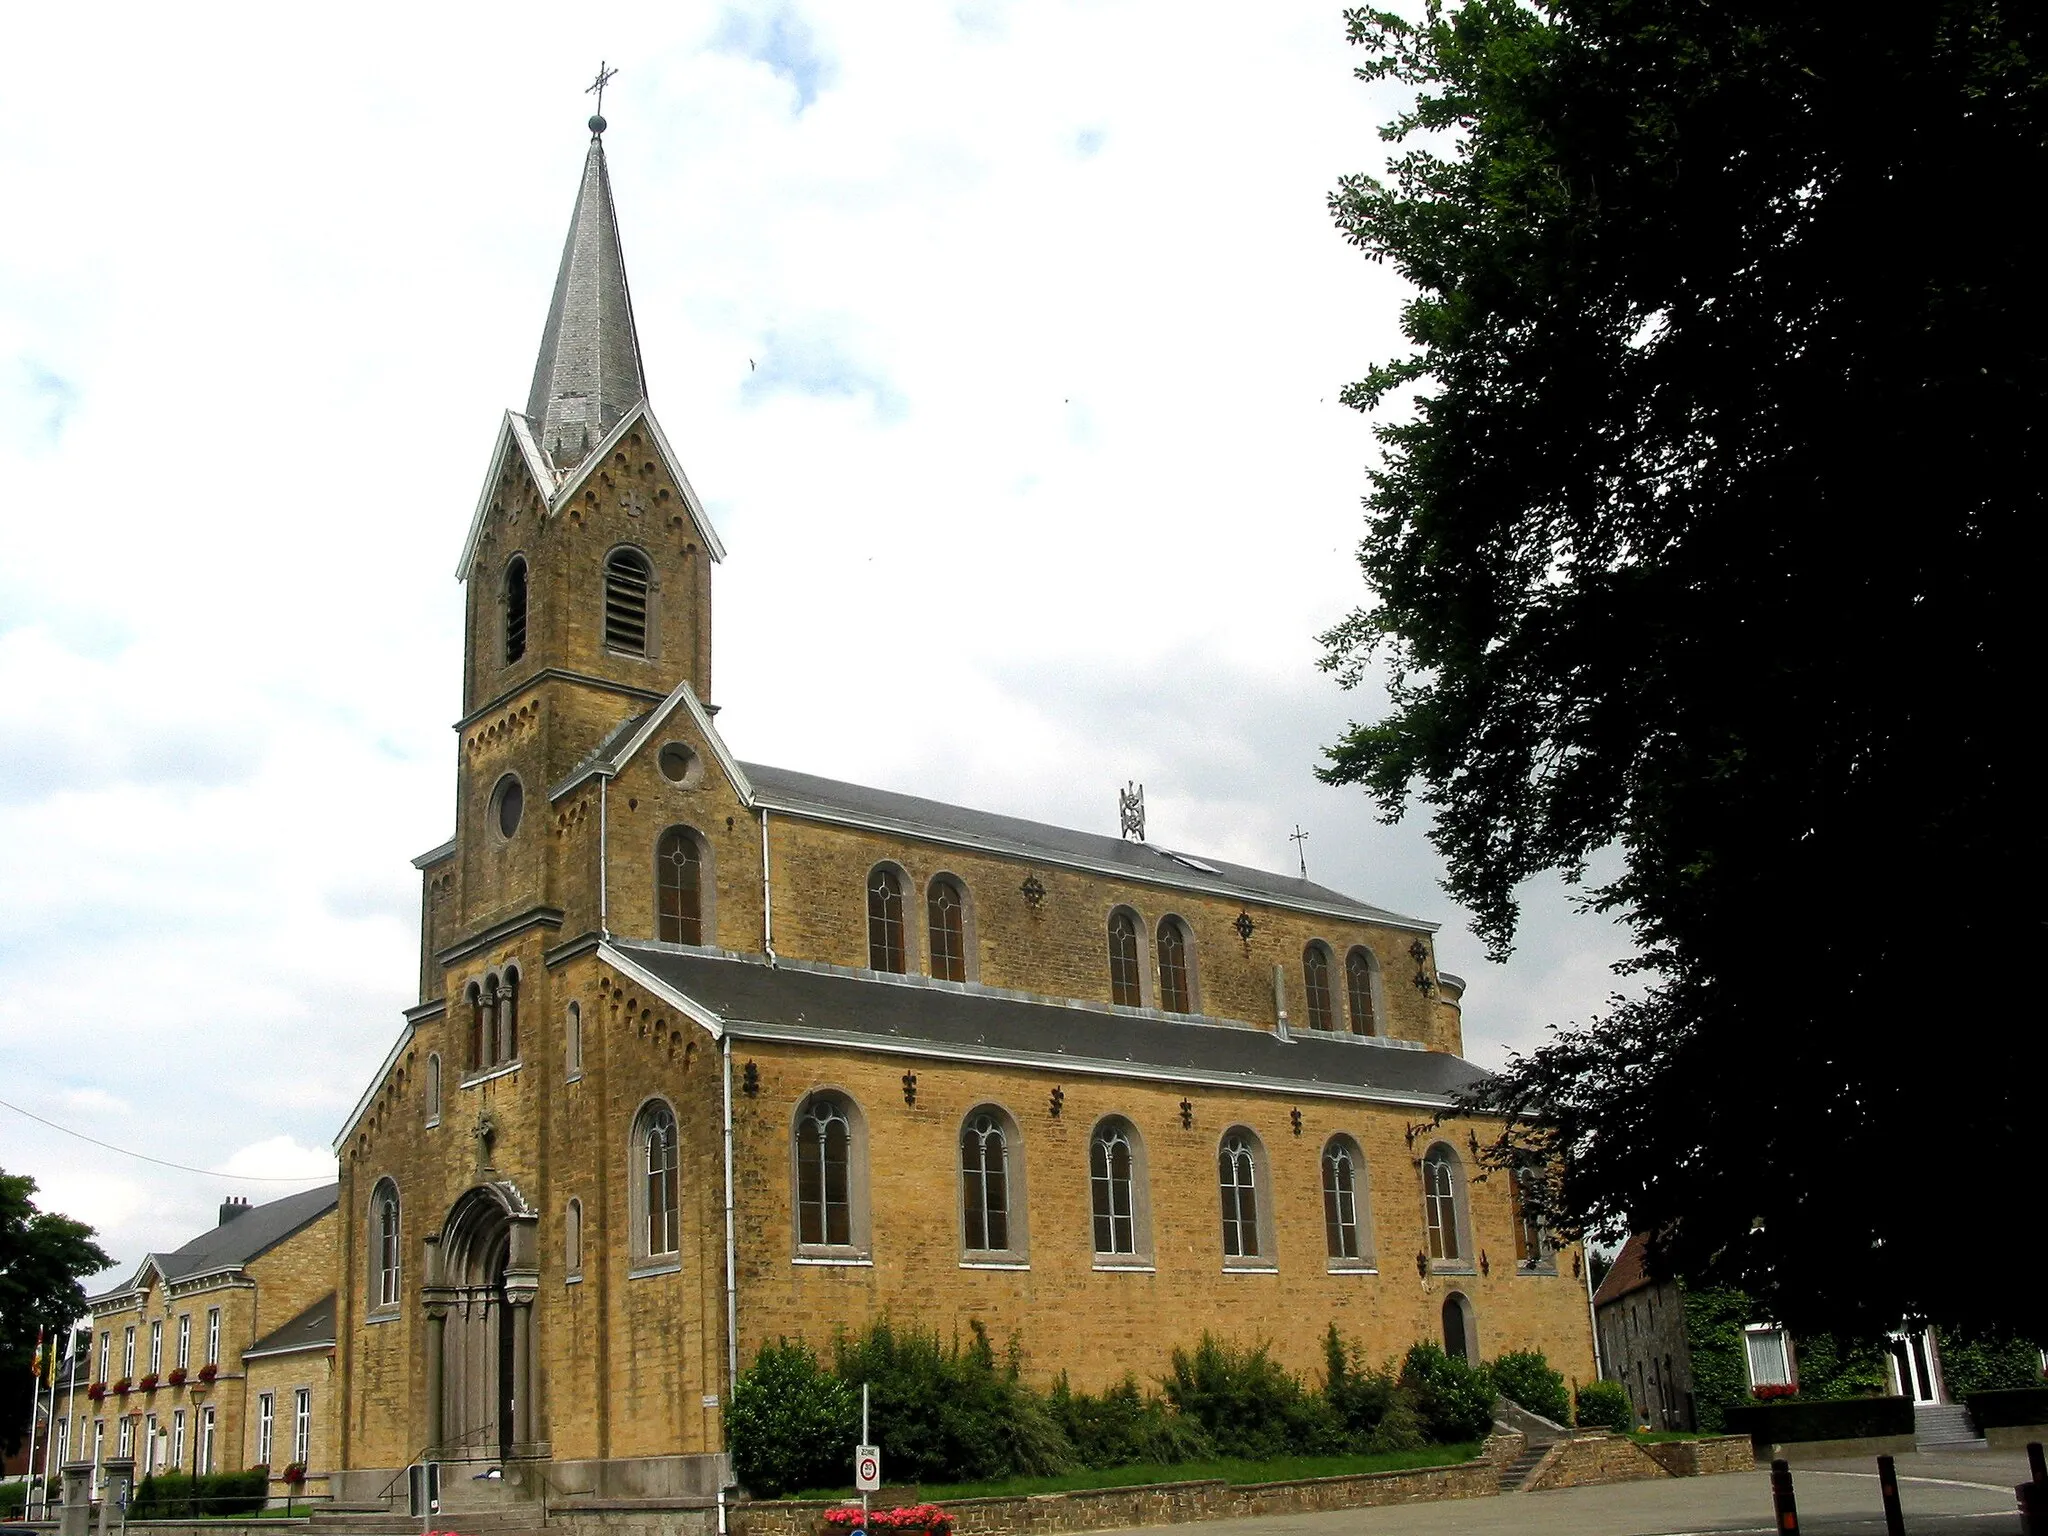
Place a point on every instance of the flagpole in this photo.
(70, 1401)
(35, 1406)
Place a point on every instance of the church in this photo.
(709, 1053)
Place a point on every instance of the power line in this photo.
(144, 1157)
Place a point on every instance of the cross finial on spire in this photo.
(596, 88)
(1300, 840)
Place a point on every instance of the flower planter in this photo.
(148, 1383)
(177, 1376)
(208, 1372)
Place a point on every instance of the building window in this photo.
(266, 1427)
(184, 1340)
(985, 1186)
(178, 1439)
(679, 888)
(106, 1344)
(206, 1440)
(148, 1444)
(124, 1437)
(1342, 1181)
(1315, 981)
(128, 1356)
(885, 920)
(1176, 989)
(1532, 1243)
(508, 1016)
(99, 1445)
(156, 1347)
(572, 1041)
(479, 1028)
(1460, 1340)
(384, 1245)
(826, 1173)
(1116, 1187)
(302, 1425)
(515, 610)
(1125, 985)
(572, 1239)
(628, 583)
(655, 1166)
(1442, 1215)
(508, 805)
(1237, 1176)
(1359, 980)
(1770, 1357)
(946, 912)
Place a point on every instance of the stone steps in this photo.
(1516, 1472)
(1945, 1426)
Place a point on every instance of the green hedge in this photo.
(1605, 1405)
(1999, 1410)
(177, 1494)
(1850, 1419)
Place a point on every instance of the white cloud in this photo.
(1047, 324)
(281, 1157)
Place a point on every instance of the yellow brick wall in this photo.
(283, 1376)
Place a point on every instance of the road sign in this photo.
(867, 1468)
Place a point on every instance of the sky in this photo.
(1002, 340)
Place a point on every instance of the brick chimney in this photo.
(232, 1207)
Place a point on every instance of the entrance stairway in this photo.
(476, 1506)
(1945, 1427)
(1516, 1472)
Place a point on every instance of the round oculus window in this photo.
(679, 765)
(511, 803)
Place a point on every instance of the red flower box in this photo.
(1773, 1392)
(295, 1474)
(120, 1388)
(208, 1371)
(177, 1376)
(148, 1382)
(96, 1391)
(913, 1517)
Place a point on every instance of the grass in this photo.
(1282, 1469)
(1659, 1436)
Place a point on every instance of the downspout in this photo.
(767, 904)
(604, 893)
(732, 1309)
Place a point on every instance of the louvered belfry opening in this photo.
(515, 611)
(627, 581)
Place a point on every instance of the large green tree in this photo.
(1704, 531)
(44, 1257)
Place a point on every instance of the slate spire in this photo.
(588, 374)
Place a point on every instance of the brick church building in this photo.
(709, 1052)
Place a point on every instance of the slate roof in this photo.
(1629, 1273)
(255, 1231)
(916, 1016)
(311, 1329)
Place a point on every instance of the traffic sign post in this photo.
(867, 1462)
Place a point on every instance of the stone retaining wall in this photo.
(1593, 1456)
(1703, 1458)
(2014, 1437)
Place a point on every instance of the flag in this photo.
(36, 1369)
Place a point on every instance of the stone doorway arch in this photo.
(482, 1278)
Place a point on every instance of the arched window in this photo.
(985, 1183)
(1237, 1174)
(946, 917)
(1459, 1340)
(515, 610)
(1532, 1243)
(385, 1247)
(824, 1173)
(572, 1240)
(1125, 985)
(1176, 989)
(508, 1016)
(885, 920)
(1340, 1201)
(1358, 983)
(1315, 981)
(679, 888)
(655, 1161)
(1441, 1180)
(434, 1090)
(572, 1041)
(482, 1026)
(1113, 1186)
(628, 581)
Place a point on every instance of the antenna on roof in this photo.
(1130, 810)
(1300, 840)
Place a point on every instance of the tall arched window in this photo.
(385, 1246)
(655, 1161)
(1113, 1187)
(1440, 1181)
(679, 888)
(515, 610)
(1176, 992)
(1315, 981)
(572, 1240)
(1358, 979)
(946, 916)
(885, 920)
(1125, 985)
(628, 580)
(480, 1027)
(1340, 1200)
(824, 1173)
(572, 1042)
(985, 1183)
(1459, 1342)
(434, 1090)
(508, 1015)
(1237, 1174)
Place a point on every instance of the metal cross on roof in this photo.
(596, 87)
(1300, 840)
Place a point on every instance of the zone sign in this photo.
(867, 1468)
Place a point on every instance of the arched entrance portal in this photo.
(482, 1281)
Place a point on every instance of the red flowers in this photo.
(295, 1474)
(177, 1376)
(96, 1391)
(148, 1382)
(914, 1517)
(120, 1388)
(208, 1371)
(1772, 1392)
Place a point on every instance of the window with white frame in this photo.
(128, 1354)
(385, 1245)
(178, 1439)
(1770, 1356)
(266, 1427)
(206, 1439)
(1347, 1236)
(213, 1335)
(302, 1425)
(156, 1346)
(124, 1439)
(1116, 1188)
(829, 1197)
(106, 1347)
(148, 1444)
(1238, 1159)
(99, 1446)
(991, 1189)
(184, 1340)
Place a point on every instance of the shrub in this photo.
(1124, 1426)
(1362, 1397)
(791, 1423)
(1525, 1377)
(1845, 1419)
(1987, 1362)
(1605, 1405)
(176, 1494)
(2002, 1408)
(1453, 1397)
(1249, 1404)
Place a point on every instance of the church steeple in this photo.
(588, 375)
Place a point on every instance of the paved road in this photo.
(1940, 1492)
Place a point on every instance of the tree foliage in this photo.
(44, 1257)
(1700, 534)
